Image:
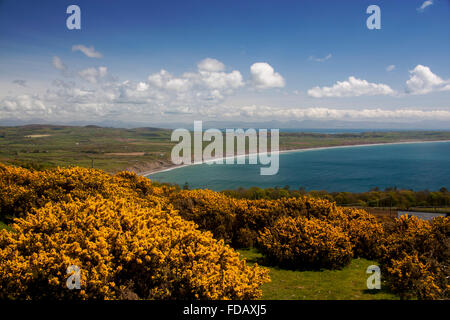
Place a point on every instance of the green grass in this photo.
(4, 226)
(346, 284)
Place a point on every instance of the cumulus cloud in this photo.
(22, 105)
(165, 80)
(219, 80)
(211, 65)
(390, 68)
(58, 64)
(263, 76)
(327, 57)
(200, 94)
(423, 81)
(210, 82)
(103, 96)
(119, 100)
(93, 75)
(88, 51)
(353, 87)
(142, 86)
(424, 5)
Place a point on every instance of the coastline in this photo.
(174, 166)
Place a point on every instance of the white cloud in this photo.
(142, 86)
(165, 80)
(211, 65)
(162, 94)
(327, 57)
(353, 87)
(208, 81)
(23, 105)
(88, 51)
(58, 64)
(423, 81)
(424, 5)
(264, 76)
(201, 94)
(122, 100)
(93, 75)
(221, 80)
(390, 68)
(258, 112)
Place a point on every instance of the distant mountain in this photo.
(291, 124)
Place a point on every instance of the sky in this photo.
(150, 62)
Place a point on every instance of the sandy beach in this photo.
(173, 166)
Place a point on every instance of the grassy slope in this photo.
(346, 284)
(63, 146)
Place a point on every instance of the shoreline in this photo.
(173, 166)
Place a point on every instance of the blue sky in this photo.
(284, 60)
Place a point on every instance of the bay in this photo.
(416, 166)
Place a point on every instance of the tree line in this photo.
(389, 197)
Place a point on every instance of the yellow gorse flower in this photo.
(122, 233)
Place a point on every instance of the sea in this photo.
(415, 166)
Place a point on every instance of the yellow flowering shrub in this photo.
(365, 230)
(303, 243)
(135, 238)
(411, 278)
(239, 221)
(212, 211)
(309, 207)
(120, 247)
(415, 255)
(21, 189)
(16, 198)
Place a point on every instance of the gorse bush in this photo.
(415, 255)
(210, 210)
(366, 232)
(120, 247)
(302, 243)
(133, 238)
(239, 221)
(21, 190)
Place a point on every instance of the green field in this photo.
(144, 149)
(346, 284)
(105, 148)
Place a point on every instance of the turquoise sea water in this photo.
(416, 166)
